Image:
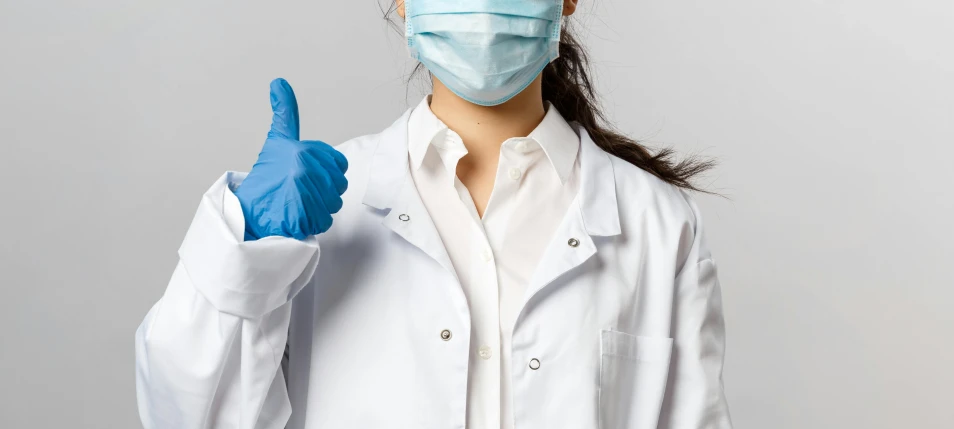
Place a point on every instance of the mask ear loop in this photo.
(409, 31)
(557, 31)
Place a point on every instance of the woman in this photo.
(497, 260)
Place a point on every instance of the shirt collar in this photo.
(557, 138)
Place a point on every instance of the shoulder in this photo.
(362, 149)
(359, 149)
(638, 188)
(369, 156)
(658, 209)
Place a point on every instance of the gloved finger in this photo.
(318, 185)
(339, 158)
(284, 110)
(307, 218)
(328, 191)
(317, 217)
(295, 227)
(331, 166)
(324, 223)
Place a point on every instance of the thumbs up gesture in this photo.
(295, 185)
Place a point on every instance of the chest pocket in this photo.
(633, 374)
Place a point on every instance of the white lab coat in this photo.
(621, 326)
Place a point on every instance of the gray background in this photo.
(833, 121)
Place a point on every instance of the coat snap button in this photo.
(534, 364)
(404, 217)
(446, 335)
(573, 242)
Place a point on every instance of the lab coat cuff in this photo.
(247, 279)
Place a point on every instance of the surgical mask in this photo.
(485, 51)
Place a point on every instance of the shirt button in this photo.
(484, 352)
(515, 173)
(534, 364)
(521, 146)
(487, 255)
(573, 242)
(446, 335)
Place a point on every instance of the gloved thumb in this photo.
(284, 111)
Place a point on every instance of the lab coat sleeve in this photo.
(695, 398)
(208, 354)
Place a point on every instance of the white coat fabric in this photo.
(621, 326)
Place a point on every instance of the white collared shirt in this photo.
(495, 256)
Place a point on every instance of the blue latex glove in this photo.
(295, 186)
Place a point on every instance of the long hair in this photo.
(567, 85)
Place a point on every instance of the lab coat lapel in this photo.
(569, 248)
(390, 187)
(409, 219)
(594, 213)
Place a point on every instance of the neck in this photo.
(484, 128)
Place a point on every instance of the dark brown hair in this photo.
(567, 85)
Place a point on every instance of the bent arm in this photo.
(208, 354)
(695, 398)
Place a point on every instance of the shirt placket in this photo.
(483, 284)
(512, 167)
(487, 338)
